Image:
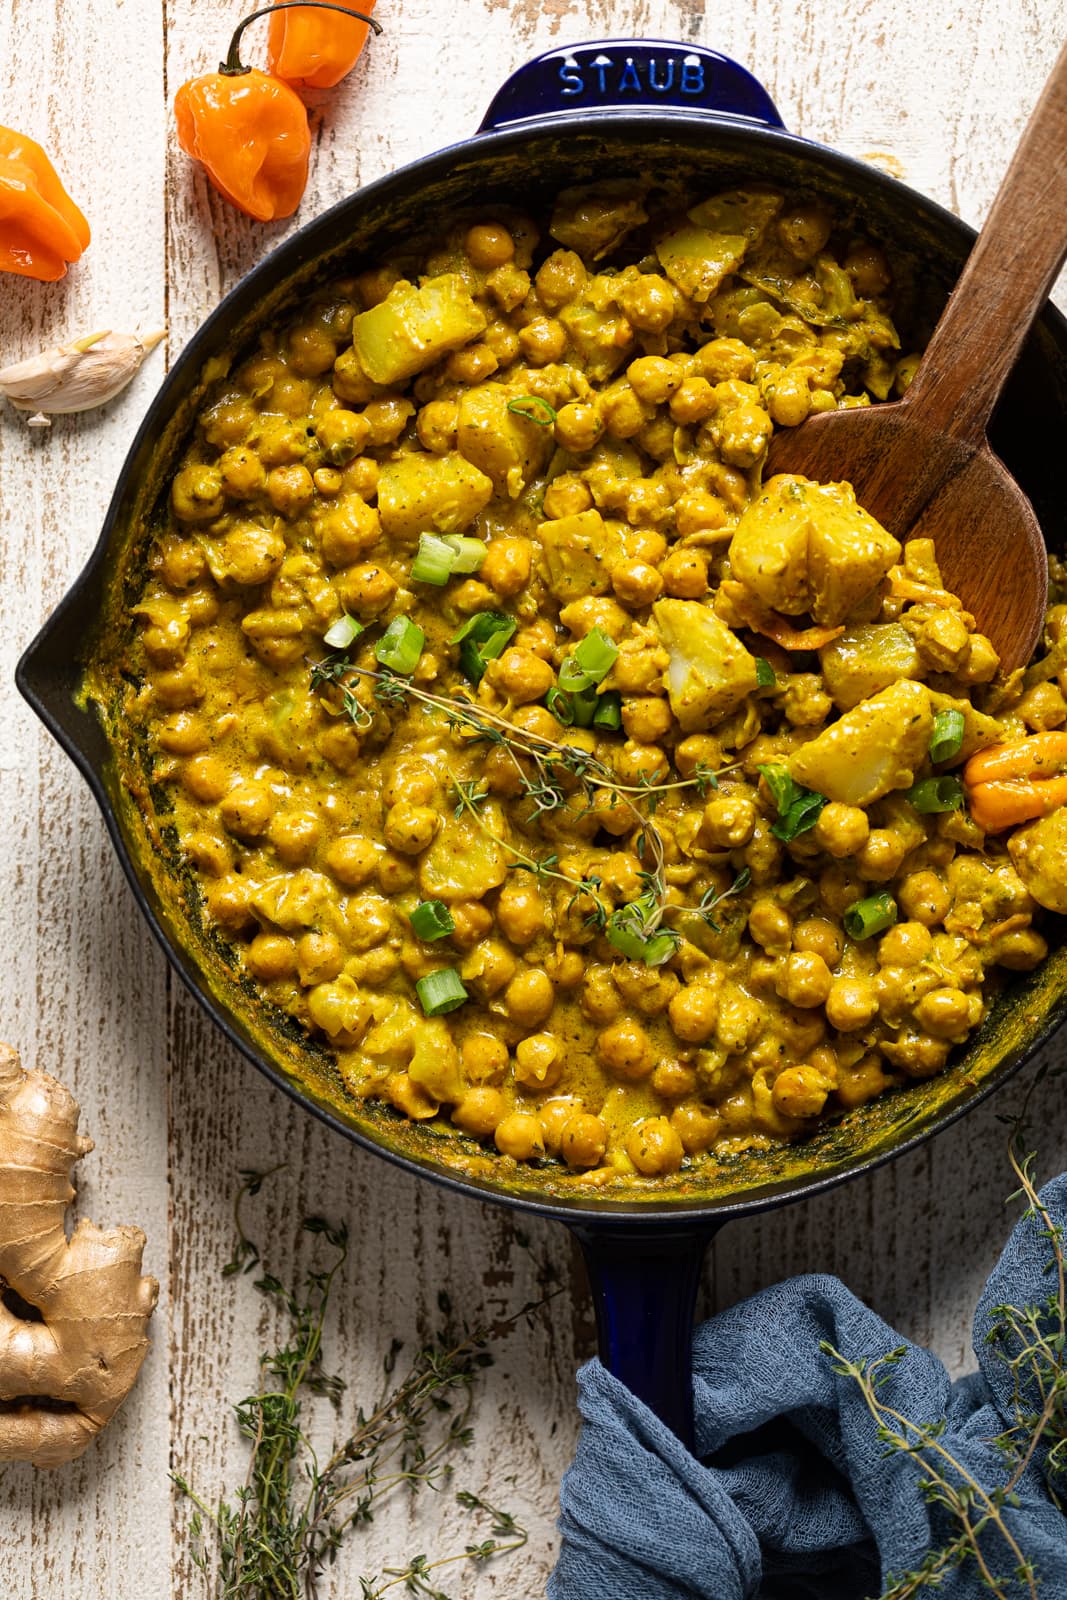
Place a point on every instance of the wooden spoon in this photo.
(923, 465)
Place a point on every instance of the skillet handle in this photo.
(639, 75)
(644, 1283)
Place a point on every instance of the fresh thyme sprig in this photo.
(273, 1536)
(636, 928)
(1032, 1342)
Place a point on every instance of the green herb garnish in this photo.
(798, 808)
(534, 409)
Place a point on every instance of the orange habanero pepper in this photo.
(1012, 783)
(314, 51)
(41, 229)
(249, 129)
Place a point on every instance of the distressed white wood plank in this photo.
(946, 93)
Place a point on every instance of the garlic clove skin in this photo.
(77, 376)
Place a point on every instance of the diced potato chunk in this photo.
(435, 1063)
(465, 861)
(577, 554)
(871, 750)
(866, 659)
(1039, 852)
(597, 338)
(710, 671)
(412, 326)
(807, 546)
(295, 900)
(595, 218)
(420, 493)
(509, 448)
(392, 1040)
(699, 255)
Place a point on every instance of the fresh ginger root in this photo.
(62, 1378)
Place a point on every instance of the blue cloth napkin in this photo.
(791, 1495)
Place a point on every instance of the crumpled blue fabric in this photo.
(791, 1495)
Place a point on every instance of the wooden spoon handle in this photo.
(1006, 280)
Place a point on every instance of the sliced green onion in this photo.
(469, 553)
(481, 639)
(400, 646)
(931, 795)
(561, 706)
(765, 678)
(440, 991)
(431, 919)
(434, 561)
(340, 634)
(608, 713)
(534, 409)
(572, 677)
(596, 655)
(947, 737)
(584, 708)
(864, 918)
(624, 933)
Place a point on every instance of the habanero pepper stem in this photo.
(232, 66)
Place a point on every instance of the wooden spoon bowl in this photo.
(922, 465)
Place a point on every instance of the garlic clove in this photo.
(76, 376)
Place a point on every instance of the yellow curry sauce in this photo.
(571, 782)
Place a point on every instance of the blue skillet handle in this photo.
(629, 75)
(644, 1284)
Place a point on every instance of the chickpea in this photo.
(600, 998)
(861, 1082)
(311, 350)
(196, 494)
(410, 829)
(536, 719)
(479, 1112)
(788, 399)
(521, 676)
(654, 1147)
(366, 590)
(611, 813)
(840, 887)
(484, 1058)
(352, 860)
(693, 1012)
(640, 763)
(851, 1004)
(566, 496)
(228, 902)
(538, 1062)
(410, 1097)
(905, 945)
(565, 967)
(362, 477)
(945, 1013)
(698, 750)
(923, 897)
(729, 822)
(294, 836)
(507, 565)
(509, 286)
(554, 1118)
(693, 401)
(645, 719)
(473, 921)
(327, 480)
(770, 925)
(178, 688)
(520, 910)
(206, 778)
(685, 574)
(209, 853)
(1020, 950)
(519, 1136)
(319, 958)
(799, 1092)
(488, 245)
(412, 781)
(249, 555)
(584, 1140)
(804, 230)
(626, 1050)
(868, 268)
(247, 809)
(700, 512)
(806, 980)
(820, 937)
(529, 997)
(881, 856)
(270, 957)
(636, 583)
(241, 473)
(654, 379)
(579, 426)
(543, 341)
(623, 413)
(648, 303)
(472, 364)
(183, 734)
(1043, 707)
(560, 279)
(697, 1126)
(841, 830)
(388, 418)
(182, 564)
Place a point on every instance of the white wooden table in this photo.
(941, 87)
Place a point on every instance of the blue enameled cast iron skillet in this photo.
(600, 110)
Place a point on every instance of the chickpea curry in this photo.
(582, 791)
